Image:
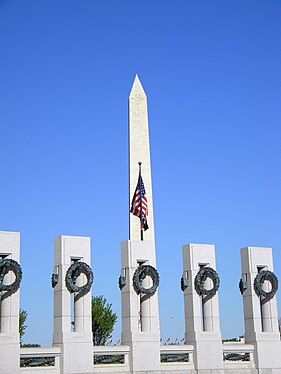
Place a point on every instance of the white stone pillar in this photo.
(205, 335)
(264, 334)
(143, 337)
(9, 326)
(76, 346)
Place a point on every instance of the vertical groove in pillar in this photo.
(145, 306)
(265, 310)
(207, 308)
(79, 305)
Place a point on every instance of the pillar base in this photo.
(9, 355)
(76, 357)
(208, 353)
(268, 357)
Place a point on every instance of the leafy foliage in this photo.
(103, 320)
(22, 326)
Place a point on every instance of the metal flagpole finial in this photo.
(139, 167)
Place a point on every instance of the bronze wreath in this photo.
(5, 266)
(201, 276)
(262, 276)
(139, 276)
(73, 272)
(121, 282)
(242, 286)
(184, 283)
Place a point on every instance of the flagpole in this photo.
(141, 228)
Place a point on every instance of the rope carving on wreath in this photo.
(201, 276)
(139, 276)
(261, 277)
(7, 265)
(73, 273)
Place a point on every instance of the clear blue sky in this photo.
(212, 73)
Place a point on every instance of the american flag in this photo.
(139, 204)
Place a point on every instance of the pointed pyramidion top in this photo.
(137, 88)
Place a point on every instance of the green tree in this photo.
(22, 326)
(103, 320)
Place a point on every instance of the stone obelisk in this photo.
(140, 316)
(139, 150)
